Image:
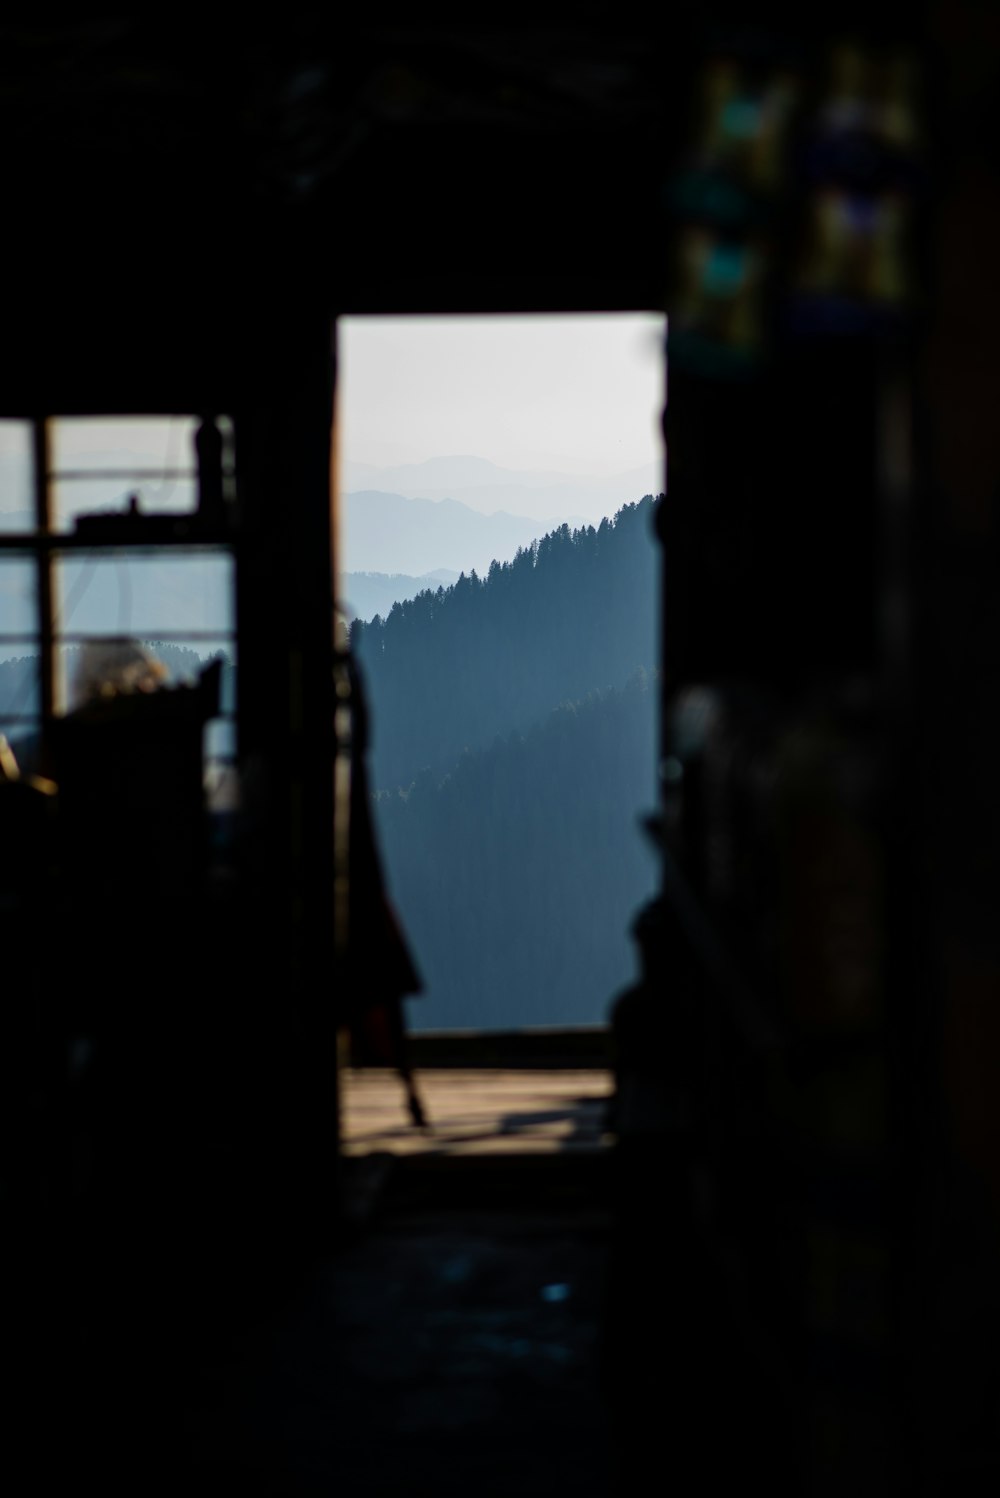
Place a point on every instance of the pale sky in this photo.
(581, 394)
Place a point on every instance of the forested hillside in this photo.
(517, 875)
(450, 670)
(514, 732)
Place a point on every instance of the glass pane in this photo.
(73, 497)
(180, 608)
(220, 740)
(17, 501)
(222, 780)
(152, 458)
(18, 615)
(20, 696)
(167, 662)
(20, 658)
(123, 444)
(155, 597)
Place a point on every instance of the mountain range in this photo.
(546, 496)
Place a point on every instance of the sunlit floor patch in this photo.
(477, 1112)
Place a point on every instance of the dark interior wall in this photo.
(187, 212)
(188, 209)
(955, 724)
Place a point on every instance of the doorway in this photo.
(498, 569)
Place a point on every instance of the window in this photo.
(114, 532)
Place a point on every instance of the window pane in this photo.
(17, 502)
(153, 458)
(151, 596)
(181, 608)
(20, 660)
(123, 444)
(20, 695)
(18, 616)
(74, 497)
(220, 739)
(222, 781)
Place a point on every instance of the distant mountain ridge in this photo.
(545, 495)
(389, 533)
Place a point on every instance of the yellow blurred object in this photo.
(10, 773)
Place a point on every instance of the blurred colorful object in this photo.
(852, 265)
(716, 313)
(723, 200)
(793, 206)
(745, 123)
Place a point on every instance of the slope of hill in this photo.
(517, 877)
(449, 671)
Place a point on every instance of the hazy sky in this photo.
(582, 394)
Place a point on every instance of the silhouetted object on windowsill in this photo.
(213, 517)
(130, 767)
(110, 668)
(380, 970)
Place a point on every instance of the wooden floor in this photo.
(476, 1111)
